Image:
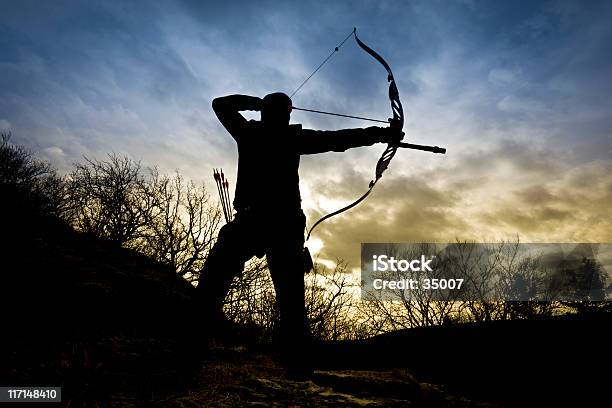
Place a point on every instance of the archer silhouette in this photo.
(269, 219)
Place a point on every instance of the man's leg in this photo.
(285, 261)
(225, 261)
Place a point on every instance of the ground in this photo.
(236, 377)
(116, 329)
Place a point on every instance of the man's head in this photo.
(276, 109)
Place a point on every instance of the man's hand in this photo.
(257, 104)
(392, 135)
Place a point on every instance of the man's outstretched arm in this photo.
(321, 141)
(227, 109)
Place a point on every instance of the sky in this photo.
(518, 92)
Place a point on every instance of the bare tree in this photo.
(181, 224)
(34, 182)
(499, 283)
(329, 301)
(166, 218)
(587, 283)
(251, 300)
(406, 308)
(330, 298)
(110, 198)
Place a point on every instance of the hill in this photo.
(114, 328)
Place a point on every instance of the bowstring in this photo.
(323, 63)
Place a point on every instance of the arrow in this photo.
(341, 115)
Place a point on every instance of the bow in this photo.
(396, 121)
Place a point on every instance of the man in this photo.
(269, 219)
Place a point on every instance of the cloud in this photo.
(510, 190)
(53, 152)
(534, 195)
(518, 94)
(501, 76)
(5, 125)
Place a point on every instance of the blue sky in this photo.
(519, 93)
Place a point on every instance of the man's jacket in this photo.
(269, 158)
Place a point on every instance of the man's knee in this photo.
(227, 257)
